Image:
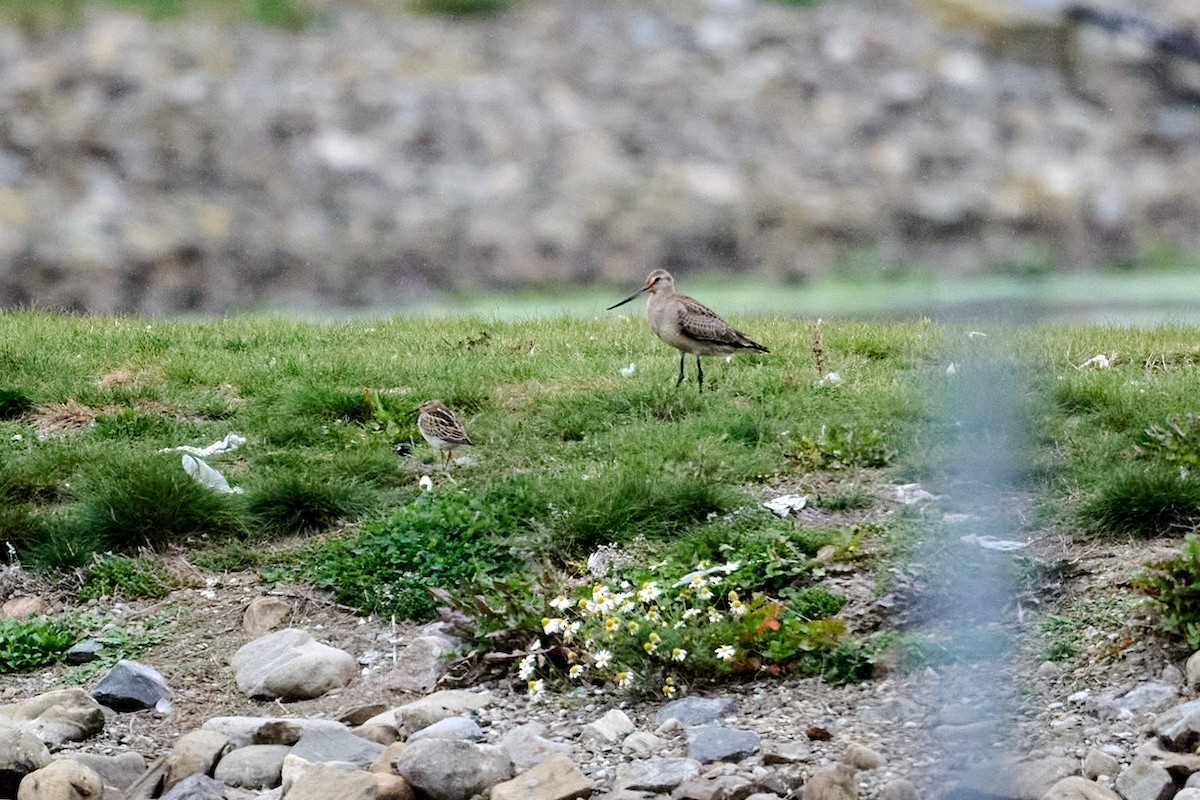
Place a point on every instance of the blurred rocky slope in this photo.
(195, 166)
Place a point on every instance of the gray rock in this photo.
(1077, 788)
(452, 770)
(1191, 671)
(1140, 699)
(1145, 780)
(291, 665)
(23, 607)
(693, 710)
(197, 787)
(420, 664)
(786, 752)
(20, 754)
(264, 614)
(1183, 734)
(714, 787)
(61, 780)
(195, 753)
(1187, 793)
(611, 728)
(463, 728)
(83, 652)
(709, 743)
(63, 715)
(130, 686)
(655, 774)
(832, 783)
(642, 744)
(242, 731)
(899, 789)
(255, 766)
(323, 782)
(1097, 763)
(556, 778)
(414, 716)
(336, 744)
(117, 771)
(526, 745)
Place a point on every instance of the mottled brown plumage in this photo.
(687, 325)
(441, 429)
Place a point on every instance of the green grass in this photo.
(292, 14)
(570, 453)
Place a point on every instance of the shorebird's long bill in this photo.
(627, 299)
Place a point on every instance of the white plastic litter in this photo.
(231, 442)
(628, 371)
(1100, 361)
(830, 379)
(785, 504)
(426, 483)
(992, 543)
(912, 493)
(952, 369)
(207, 476)
(976, 334)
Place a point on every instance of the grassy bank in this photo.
(574, 451)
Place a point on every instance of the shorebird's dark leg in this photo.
(699, 374)
(682, 356)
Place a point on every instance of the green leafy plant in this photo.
(842, 447)
(461, 8)
(440, 540)
(121, 576)
(1173, 442)
(32, 643)
(1174, 586)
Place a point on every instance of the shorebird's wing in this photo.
(440, 423)
(700, 322)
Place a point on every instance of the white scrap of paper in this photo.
(207, 476)
(786, 504)
(231, 442)
(912, 493)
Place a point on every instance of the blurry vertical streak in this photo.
(970, 604)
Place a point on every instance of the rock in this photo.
(1187, 793)
(392, 787)
(242, 731)
(336, 744)
(291, 665)
(452, 770)
(255, 766)
(832, 783)
(1077, 788)
(197, 787)
(786, 752)
(862, 757)
(118, 771)
(380, 734)
(1033, 778)
(463, 728)
(420, 664)
(361, 714)
(526, 746)
(322, 782)
(694, 710)
(1191, 671)
(609, 729)
(130, 686)
(714, 787)
(641, 744)
(1145, 697)
(1145, 780)
(264, 614)
(422, 713)
(556, 778)
(386, 762)
(899, 789)
(655, 774)
(63, 715)
(83, 652)
(20, 754)
(196, 753)
(1097, 763)
(1183, 734)
(709, 743)
(61, 780)
(23, 607)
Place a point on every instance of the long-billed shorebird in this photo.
(688, 326)
(441, 429)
